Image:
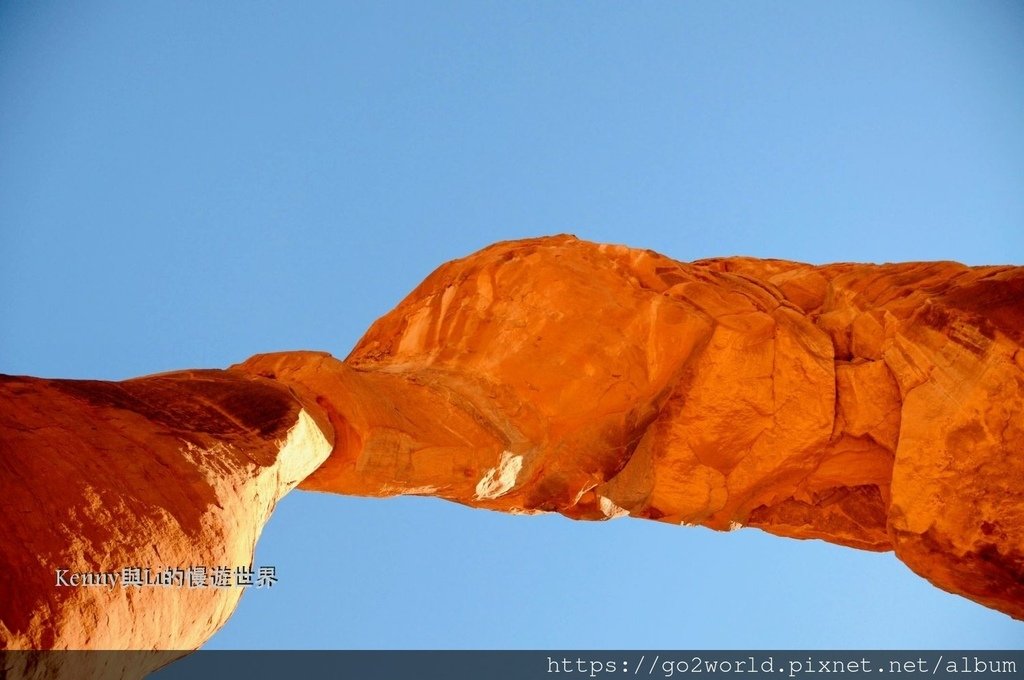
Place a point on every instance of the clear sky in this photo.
(186, 184)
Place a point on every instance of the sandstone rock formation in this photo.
(169, 471)
(878, 407)
(875, 406)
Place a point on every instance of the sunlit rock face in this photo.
(875, 406)
(175, 470)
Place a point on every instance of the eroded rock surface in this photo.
(875, 406)
(168, 471)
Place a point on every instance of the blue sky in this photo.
(186, 184)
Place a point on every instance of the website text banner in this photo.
(519, 665)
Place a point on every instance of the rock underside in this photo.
(874, 406)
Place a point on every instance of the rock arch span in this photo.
(874, 406)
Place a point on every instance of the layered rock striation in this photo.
(874, 406)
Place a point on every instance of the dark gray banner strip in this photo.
(517, 665)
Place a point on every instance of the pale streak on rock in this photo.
(501, 479)
(610, 510)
